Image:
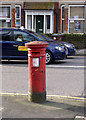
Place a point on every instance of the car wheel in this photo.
(49, 57)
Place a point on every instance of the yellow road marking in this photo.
(59, 96)
(13, 94)
(69, 97)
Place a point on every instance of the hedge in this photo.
(79, 40)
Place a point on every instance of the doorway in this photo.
(39, 23)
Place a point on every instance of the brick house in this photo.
(46, 17)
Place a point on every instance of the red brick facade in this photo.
(22, 18)
(56, 12)
(59, 20)
(57, 17)
(65, 20)
(57, 29)
(12, 17)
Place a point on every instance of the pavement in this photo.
(81, 52)
(63, 108)
(55, 107)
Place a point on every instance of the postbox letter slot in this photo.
(36, 52)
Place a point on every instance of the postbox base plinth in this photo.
(37, 97)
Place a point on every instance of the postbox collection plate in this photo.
(35, 62)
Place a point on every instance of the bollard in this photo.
(36, 65)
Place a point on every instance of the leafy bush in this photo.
(79, 40)
(49, 34)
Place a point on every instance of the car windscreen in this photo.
(46, 36)
(37, 35)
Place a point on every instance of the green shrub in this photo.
(49, 34)
(79, 40)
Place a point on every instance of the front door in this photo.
(39, 23)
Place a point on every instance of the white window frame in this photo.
(74, 18)
(5, 18)
(62, 19)
(42, 12)
(18, 18)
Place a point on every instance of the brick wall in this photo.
(22, 18)
(54, 23)
(56, 17)
(12, 17)
(59, 20)
(65, 20)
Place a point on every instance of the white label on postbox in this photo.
(35, 62)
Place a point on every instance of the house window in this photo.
(62, 18)
(48, 21)
(17, 16)
(29, 22)
(4, 12)
(76, 18)
(5, 16)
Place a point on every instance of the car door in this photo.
(6, 43)
(10, 46)
(12, 49)
(19, 45)
(0, 44)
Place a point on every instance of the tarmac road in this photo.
(65, 78)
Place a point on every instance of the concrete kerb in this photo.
(80, 52)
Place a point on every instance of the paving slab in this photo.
(18, 106)
(81, 52)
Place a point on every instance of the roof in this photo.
(38, 5)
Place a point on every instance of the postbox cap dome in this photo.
(36, 44)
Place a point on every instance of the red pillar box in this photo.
(36, 60)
